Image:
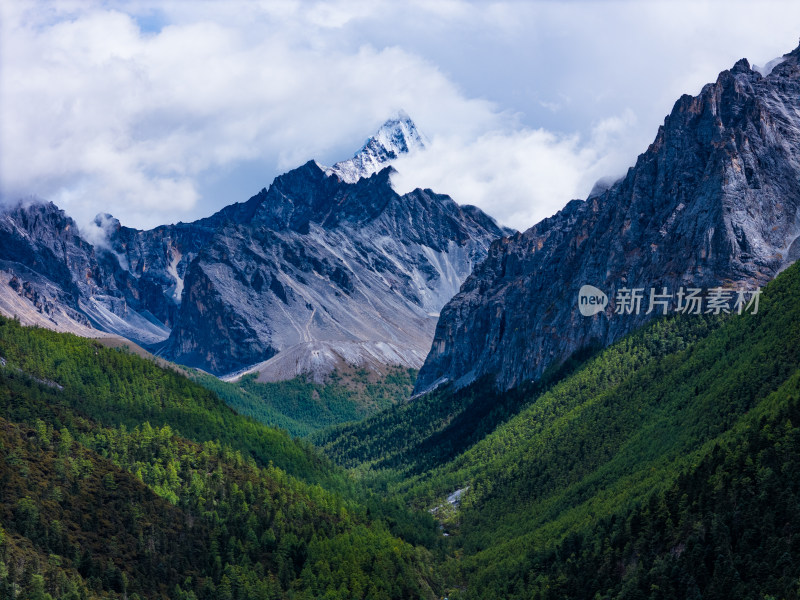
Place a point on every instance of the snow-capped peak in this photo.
(396, 136)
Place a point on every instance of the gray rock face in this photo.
(128, 282)
(326, 265)
(323, 260)
(157, 259)
(62, 281)
(714, 200)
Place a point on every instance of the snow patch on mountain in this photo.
(172, 269)
(398, 135)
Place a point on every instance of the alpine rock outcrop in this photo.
(714, 201)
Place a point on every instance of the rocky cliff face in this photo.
(713, 201)
(158, 259)
(104, 279)
(327, 269)
(53, 277)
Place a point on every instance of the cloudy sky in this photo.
(159, 112)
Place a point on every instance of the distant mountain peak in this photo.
(398, 135)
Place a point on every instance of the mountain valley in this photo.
(250, 423)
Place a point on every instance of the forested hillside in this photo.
(645, 473)
(121, 479)
(665, 466)
(302, 406)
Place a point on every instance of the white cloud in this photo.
(133, 108)
(99, 115)
(519, 176)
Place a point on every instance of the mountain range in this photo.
(549, 452)
(329, 266)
